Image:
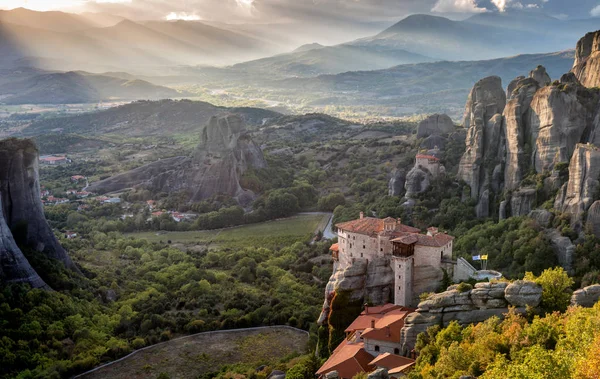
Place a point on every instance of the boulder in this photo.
(540, 75)
(435, 125)
(586, 297)
(522, 293)
(332, 375)
(276, 374)
(380, 373)
(417, 181)
(587, 60)
(396, 183)
(542, 217)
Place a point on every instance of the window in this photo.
(397, 351)
(377, 348)
(364, 247)
(361, 255)
(381, 249)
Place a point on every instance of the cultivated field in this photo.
(277, 232)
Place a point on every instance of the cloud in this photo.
(457, 6)
(182, 16)
(595, 12)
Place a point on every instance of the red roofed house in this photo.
(416, 259)
(373, 340)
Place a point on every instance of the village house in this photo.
(416, 259)
(77, 178)
(372, 341)
(54, 160)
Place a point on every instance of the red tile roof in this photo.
(348, 359)
(387, 328)
(363, 321)
(335, 247)
(393, 363)
(425, 156)
(371, 225)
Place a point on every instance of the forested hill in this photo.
(144, 118)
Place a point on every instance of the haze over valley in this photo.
(300, 189)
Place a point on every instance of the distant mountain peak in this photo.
(309, 46)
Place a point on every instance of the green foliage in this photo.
(464, 287)
(554, 346)
(556, 286)
(514, 246)
(331, 202)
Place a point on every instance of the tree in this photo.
(556, 288)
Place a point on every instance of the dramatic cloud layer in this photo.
(282, 10)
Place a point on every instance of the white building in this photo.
(429, 162)
(416, 259)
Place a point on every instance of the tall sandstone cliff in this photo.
(587, 60)
(22, 220)
(540, 127)
(224, 154)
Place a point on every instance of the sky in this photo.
(298, 10)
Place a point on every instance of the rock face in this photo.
(21, 200)
(370, 282)
(513, 86)
(22, 220)
(417, 181)
(14, 267)
(593, 218)
(396, 184)
(586, 297)
(435, 125)
(587, 60)
(482, 162)
(477, 305)
(563, 248)
(577, 195)
(224, 154)
(539, 128)
(540, 75)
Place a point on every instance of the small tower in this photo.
(403, 262)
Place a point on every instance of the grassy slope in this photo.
(285, 230)
(205, 353)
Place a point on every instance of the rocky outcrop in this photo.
(563, 248)
(518, 133)
(14, 267)
(587, 60)
(586, 297)
(513, 86)
(396, 183)
(482, 162)
(368, 281)
(21, 201)
(472, 306)
(433, 142)
(592, 222)
(577, 195)
(540, 75)
(435, 125)
(224, 154)
(417, 181)
(542, 217)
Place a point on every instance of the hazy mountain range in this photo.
(47, 57)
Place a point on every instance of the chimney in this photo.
(373, 324)
(366, 308)
(399, 220)
(362, 215)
